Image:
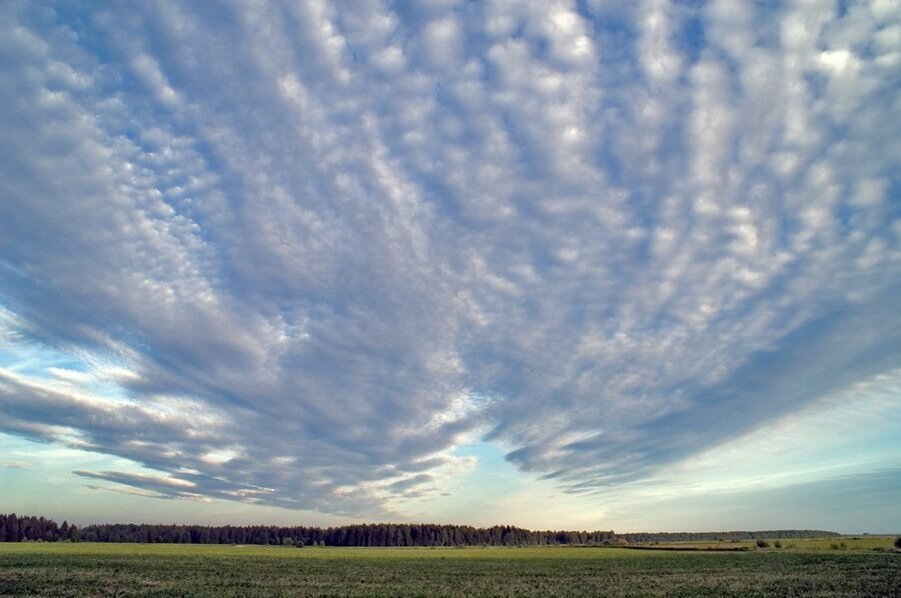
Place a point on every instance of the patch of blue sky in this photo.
(848, 433)
(496, 492)
(493, 473)
(18, 354)
(91, 373)
(37, 363)
(854, 503)
(475, 490)
(34, 475)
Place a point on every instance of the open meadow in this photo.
(87, 569)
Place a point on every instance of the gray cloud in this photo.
(16, 465)
(330, 241)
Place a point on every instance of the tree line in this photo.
(29, 529)
(348, 535)
(15, 528)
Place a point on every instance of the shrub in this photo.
(777, 544)
(898, 542)
(762, 544)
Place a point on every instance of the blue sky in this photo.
(601, 264)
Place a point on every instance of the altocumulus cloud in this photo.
(313, 247)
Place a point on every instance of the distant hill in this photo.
(643, 538)
(24, 528)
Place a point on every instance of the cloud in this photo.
(16, 464)
(297, 255)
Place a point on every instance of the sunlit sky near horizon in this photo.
(583, 265)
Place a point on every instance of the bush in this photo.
(898, 543)
(762, 544)
(777, 544)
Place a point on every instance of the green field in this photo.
(59, 569)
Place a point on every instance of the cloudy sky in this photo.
(598, 264)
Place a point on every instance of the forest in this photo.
(27, 528)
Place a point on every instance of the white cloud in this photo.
(661, 62)
(149, 71)
(440, 41)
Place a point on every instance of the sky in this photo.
(570, 265)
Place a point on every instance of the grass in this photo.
(85, 569)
